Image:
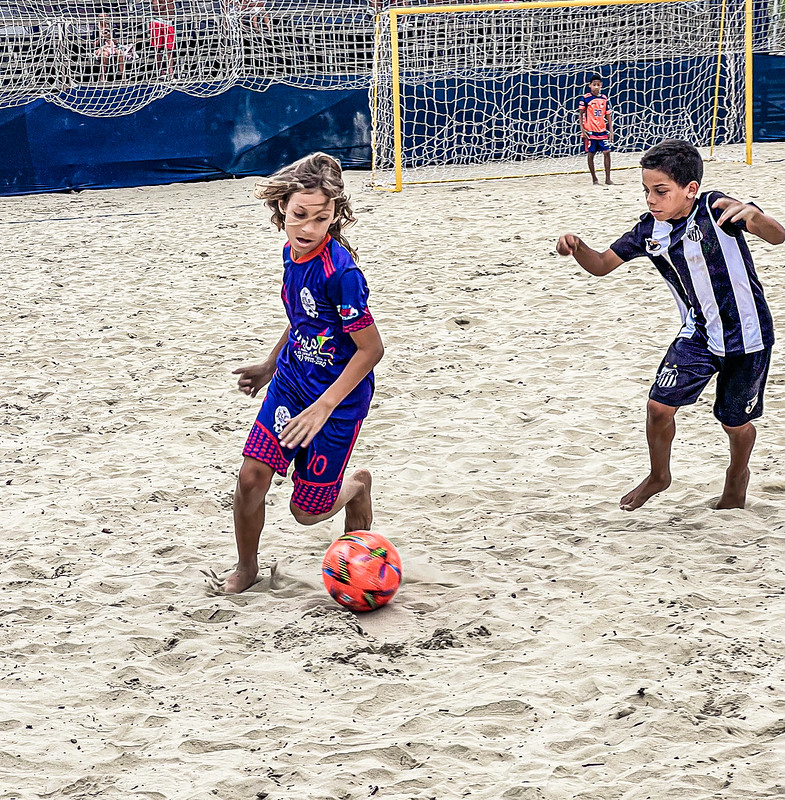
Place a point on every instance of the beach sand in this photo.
(544, 645)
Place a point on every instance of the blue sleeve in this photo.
(631, 245)
(348, 293)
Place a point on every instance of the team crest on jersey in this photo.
(282, 416)
(653, 246)
(309, 304)
(667, 376)
(694, 233)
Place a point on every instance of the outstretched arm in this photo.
(256, 376)
(758, 223)
(591, 260)
(300, 430)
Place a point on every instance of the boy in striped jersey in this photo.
(696, 242)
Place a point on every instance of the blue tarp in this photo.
(45, 148)
(769, 99)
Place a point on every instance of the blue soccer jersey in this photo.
(326, 299)
(709, 270)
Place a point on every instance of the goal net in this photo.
(483, 91)
(112, 57)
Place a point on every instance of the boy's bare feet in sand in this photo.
(645, 490)
(359, 510)
(734, 495)
(238, 581)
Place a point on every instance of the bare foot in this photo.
(359, 510)
(641, 493)
(734, 495)
(238, 581)
(595, 181)
(609, 182)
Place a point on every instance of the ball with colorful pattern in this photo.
(362, 570)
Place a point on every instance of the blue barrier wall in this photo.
(769, 99)
(45, 148)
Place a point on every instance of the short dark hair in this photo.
(678, 159)
(595, 77)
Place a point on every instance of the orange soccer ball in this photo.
(361, 570)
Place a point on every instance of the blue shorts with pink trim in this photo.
(319, 468)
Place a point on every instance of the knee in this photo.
(254, 477)
(303, 517)
(742, 432)
(659, 415)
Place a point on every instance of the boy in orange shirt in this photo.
(594, 114)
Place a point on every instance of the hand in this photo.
(300, 430)
(567, 244)
(735, 211)
(585, 135)
(254, 377)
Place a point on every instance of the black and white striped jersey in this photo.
(709, 270)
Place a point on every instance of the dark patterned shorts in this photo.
(741, 379)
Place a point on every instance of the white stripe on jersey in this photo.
(662, 233)
(701, 283)
(751, 332)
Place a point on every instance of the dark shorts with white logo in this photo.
(741, 379)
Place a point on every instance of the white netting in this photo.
(488, 92)
(111, 58)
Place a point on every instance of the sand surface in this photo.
(544, 645)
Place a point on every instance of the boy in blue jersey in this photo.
(320, 371)
(696, 242)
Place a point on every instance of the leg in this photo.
(660, 430)
(740, 388)
(737, 476)
(253, 483)
(355, 495)
(319, 472)
(590, 159)
(607, 160)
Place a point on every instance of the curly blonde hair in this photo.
(317, 171)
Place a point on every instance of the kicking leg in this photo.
(737, 476)
(355, 495)
(660, 430)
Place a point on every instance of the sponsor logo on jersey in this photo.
(667, 376)
(348, 312)
(694, 233)
(653, 246)
(309, 304)
(314, 349)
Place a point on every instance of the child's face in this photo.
(307, 218)
(665, 198)
(595, 87)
